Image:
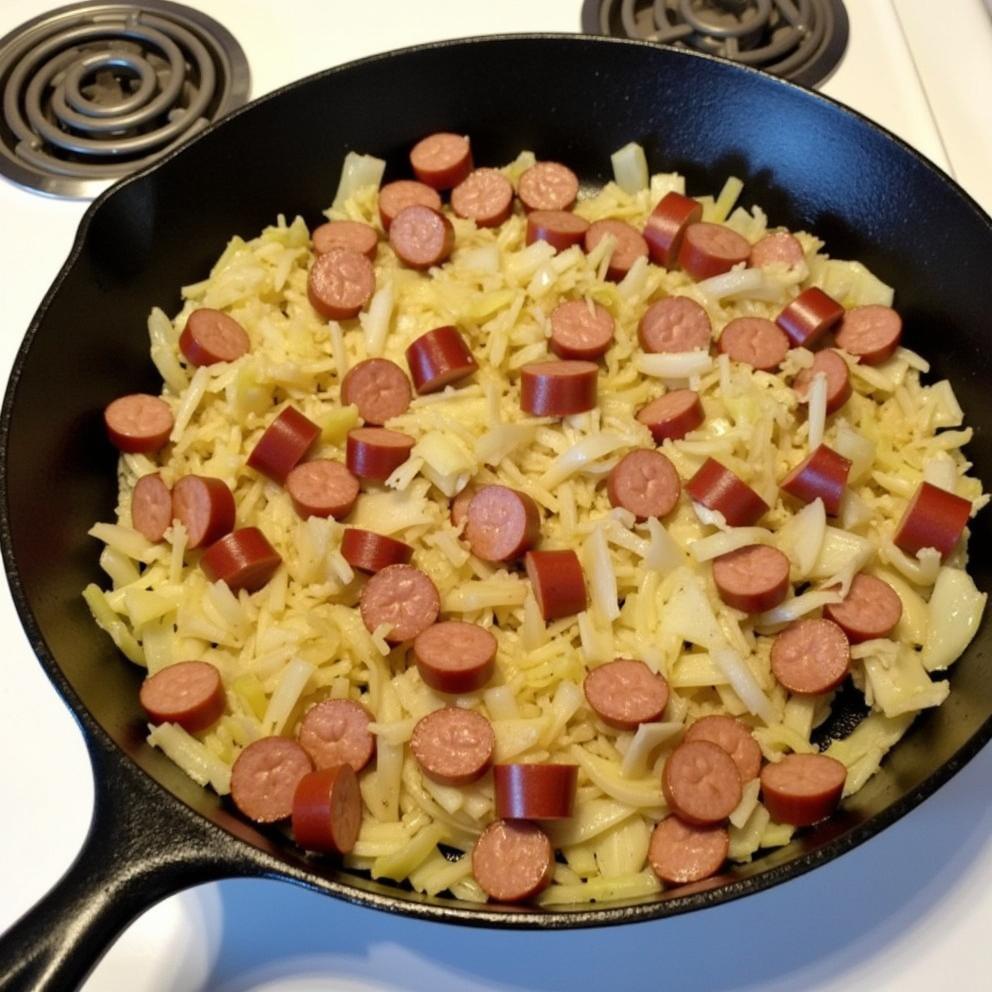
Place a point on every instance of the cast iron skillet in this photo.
(810, 163)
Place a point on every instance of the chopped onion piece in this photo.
(484, 259)
(375, 320)
(647, 737)
(357, 172)
(743, 682)
(940, 471)
(630, 168)
(579, 456)
(635, 281)
(801, 538)
(602, 577)
(921, 570)
(749, 283)
(817, 415)
(501, 703)
(724, 542)
(798, 606)
(664, 554)
(708, 517)
(956, 608)
(292, 682)
(675, 365)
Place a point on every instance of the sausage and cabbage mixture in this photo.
(511, 543)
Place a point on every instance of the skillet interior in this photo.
(809, 163)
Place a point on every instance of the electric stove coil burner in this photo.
(95, 91)
(801, 40)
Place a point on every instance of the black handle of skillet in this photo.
(135, 854)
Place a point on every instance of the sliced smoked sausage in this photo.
(870, 333)
(557, 389)
(644, 482)
(189, 693)
(673, 415)
(680, 852)
(350, 234)
(630, 245)
(336, 732)
(421, 237)
(371, 552)
(823, 475)
(205, 507)
(777, 248)
(327, 810)
(558, 582)
(625, 693)
(560, 228)
(265, 776)
(438, 358)
(513, 860)
(453, 746)
(811, 656)
(394, 197)
(243, 559)
(402, 597)
(701, 783)
(711, 249)
(374, 453)
(535, 791)
(485, 196)
(285, 441)
(935, 518)
(151, 507)
(548, 186)
(755, 341)
(675, 324)
(666, 227)
(809, 316)
(802, 789)
(581, 330)
(379, 388)
(838, 379)
(322, 488)
(455, 657)
(734, 737)
(719, 489)
(138, 423)
(871, 609)
(502, 523)
(212, 336)
(753, 579)
(441, 160)
(340, 283)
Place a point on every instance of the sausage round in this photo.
(394, 197)
(460, 505)
(502, 523)
(711, 249)
(404, 598)
(485, 196)
(666, 227)
(513, 861)
(421, 237)
(212, 336)
(439, 358)
(327, 810)
(371, 552)
(734, 737)
(138, 423)
(779, 247)
(717, 488)
(675, 324)
(455, 657)
(349, 234)
(809, 316)
(871, 333)
(534, 791)
(151, 507)
(374, 453)
(823, 475)
(336, 732)
(205, 507)
(285, 441)
(625, 693)
(265, 776)
(453, 746)
(558, 582)
(629, 248)
(681, 853)
(322, 488)
(645, 483)
(871, 609)
(189, 693)
(581, 330)
(557, 389)
(441, 160)
(341, 282)
(673, 415)
(838, 379)
(560, 228)
(755, 341)
(811, 656)
(701, 783)
(935, 518)
(548, 186)
(379, 388)
(243, 559)
(802, 789)
(753, 579)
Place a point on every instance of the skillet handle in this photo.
(138, 850)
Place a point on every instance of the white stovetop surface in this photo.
(911, 909)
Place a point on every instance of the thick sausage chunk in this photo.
(717, 488)
(778, 248)
(394, 197)
(453, 746)
(402, 597)
(322, 488)
(675, 324)
(701, 783)
(243, 559)
(189, 693)
(752, 579)
(371, 552)
(455, 657)
(811, 656)
(441, 160)
(935, 518)
(581, 330)
(349, 234)
(645, 483)
(212, 336)
(681, 853)
(666, 227)
(484, 196)
(560, 228)
(871, 609)
(712, 249)
(379, 388)
(502, 523)
(205, 507)
(871, 333)
(626, 693)
(809, 316)
(285, 441)
(341, 282)
(548, 186)
(755, 341)
(802, 789)
(439, 358)
(138, 423)
(535, 792)
(558, 581)
(265, 776)
(336, 732)
(513, 861)
(838, 379)
(421, 237)
(673, 415)
(734, 737)
(327, 810)
(821, 476)
(630, 245)
(557, 389)
(374, 453)
(151, 507)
